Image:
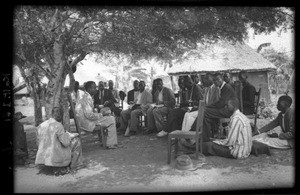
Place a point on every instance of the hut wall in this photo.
(258, 80)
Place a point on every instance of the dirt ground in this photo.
(140, 165)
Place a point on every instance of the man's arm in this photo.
(271, 125)
(171, 99)
(88, 112)
(62, 136)
(290, 134)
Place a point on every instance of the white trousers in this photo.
(188, 120)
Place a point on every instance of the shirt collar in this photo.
(237, 112)
(222, 85)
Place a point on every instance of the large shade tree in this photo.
(52, 40)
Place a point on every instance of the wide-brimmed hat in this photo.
(184, 162)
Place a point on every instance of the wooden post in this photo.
(75, 117)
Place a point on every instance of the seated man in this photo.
(176, 115)
(211, 95)
(115, 93)
(104, 98)
(285, 138)
(56, 147)
(88, 119)
(182, 90)
(248, 94)
(132, 94)
(239, 140)
(164, 102)
(138, 108)
(217, 110)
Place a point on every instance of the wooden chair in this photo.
(101, 131)
(197, 135)
(256, 101)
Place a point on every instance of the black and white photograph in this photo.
(151, 98)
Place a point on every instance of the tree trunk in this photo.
(38, 116)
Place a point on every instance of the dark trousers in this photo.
(213, 149)
(211, 121)
(175, 118)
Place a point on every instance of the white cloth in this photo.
(160, 96)
(77, 96)
(272, 142)
(188, 120)
(139, 98)
(136, 93)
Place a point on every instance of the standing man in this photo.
(239, 141)
(138, 108)
(285, 138)
(176, 115)
(217, 110)
(164, 101)
(88, 120)
(132, 94)
(56, 147)
(248, 94)
(104, 98)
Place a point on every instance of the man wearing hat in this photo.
(286, 120)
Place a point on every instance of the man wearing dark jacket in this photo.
(164, 101)
(104, 98)
(216, 110)
(285, 137)
(248, 94)
(176, 115)
(132, 94)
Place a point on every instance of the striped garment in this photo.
(239, 135)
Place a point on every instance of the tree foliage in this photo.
(51, 40)
(280, 78)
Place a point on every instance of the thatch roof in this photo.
(221, 57)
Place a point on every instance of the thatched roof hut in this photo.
(227, 57)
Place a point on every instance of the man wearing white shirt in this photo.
(139, 107)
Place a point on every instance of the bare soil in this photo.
(140, 165)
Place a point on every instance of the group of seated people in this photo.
(97, 107)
